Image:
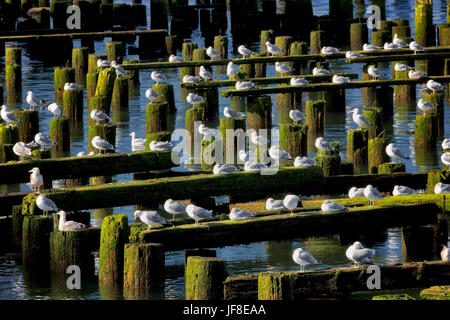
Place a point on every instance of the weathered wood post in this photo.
(330, 161)
(357, 141)
(437, 99)
(298, 48)
(91, 86)
(171, 44)
(266, 35)
(293, 139)
(158, 14)
(221, 45)
(233, 132)
(274, 286)
(156, 122)
(35, 240)
(210, 103)
(99, 103)
(9, 134)
(315, 44)
(359, 35)
(13, 75)
(114, 235)
(199, 54)
(314, 111)
(187, 50)
(367, 93)
(115, 51)
(426, 131)
(73, 105)
(204, 278)
(424, 29)
(334, 99)
(391, 167)
(166, 94)
(80, 64)
(106, 132)
(405, 95)
(62, 75)
(119, 98)
(384, 100)
(193, 115)
(374, 115)
(133, 77)
(60, 133)
(92, 62)
(259, 112)
(105, 83)
(29, 124)
(284, 42)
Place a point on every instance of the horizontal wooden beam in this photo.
(400, 57)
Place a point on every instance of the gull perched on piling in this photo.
(224, 169)
(360, 119)
(254, 166)
(258, 140)
(191, 79)
(340, 79)
(103, 63)
(435, 86)
(244, 51)
(329, 50)
(174, 58)
(45, 204)
(231, 71)
(64, 225)
(441, 188)
(402, 67)
(445, 158)
(158, 77)
(358, 254)
(375, 72)
(70, 86)
(320, 71)
(372, 194)
(353, 55)
(160, 146)
(55, 109)
(205, 131)
(304, 162)
(416, 74)
(391, 46)
(272, 204)
(298, 82)
(403, 191)
(36, 179)
(297, 116)
(98, 115)
(32, 100)
(151, 94)
(230, 113)
(43, 140)
(273, 49)
(8, 116)
(446, 144)
(174, 207)
(323, 145)
(355, 192)
(445, 253)
(278, 153)
(331, 206)
(150, 218)
(394, 152)
(399, 42)
(198, 213)
(425, 105)
(238, 214)
(303, 258)
(120, 71)
(101, 144)
(282, 68)
(414, 46)
(193, 98)
(205, 74)
(212, 53)
(245, 156)
(290, 202)
(370, 47)
(137, 144)
(244, 85)
(21, 150)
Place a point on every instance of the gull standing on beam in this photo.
(304, 162)
(43, 140)
(375, 72)
(290, 202)
(98, 115)
(8, 116)
(303, 258)
(358, 254)
(299, 82)
(45, 204)
(297, 116)
(402, 67)
(198, 213)
(244, 51)
(174, 58)
(273, 49)
(151, 94)
(212, 53)
(174, 208)
(414, 46)
(238, 214)
(158, 77)
(355, 192)
(324, 145)
(193, 99)
(150, 218)
(372, 194)
(230, 113)
(393, 152)
(205, 74)
(231, 71)
(191, 79)
(36, 179)
(282, 68)
(70, 86)
(244, 85)
(435, 86)
(101, 144)
(329, 50)
(360, 119)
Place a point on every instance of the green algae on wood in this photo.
(73, 105)
(9, 134)
(426, 131)
(391, 167)
(424, 29)
(375, 117)
(293, 139)
(401, 296)
(91, 85)
(7, 153)
(274, 286)
(266, 35)
(232, 130)
(62, 76)
(316, 41)
(204, 278)
(357, 141)
(119, 98)
(13, 75)
(29, 124)
(105, 83)
(80, 63)
(436, 293)
(92, 62)
(115, 51)
(359, 35)
(284, 43)
(377, 153)
(259, 112)
(13, 55)
(166, 93)
(35, 240)
(157, 117)
(60, 133)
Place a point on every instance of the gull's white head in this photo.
(133, 134)
(357, 245)
(355, 110)
(34, 170)
(234, 210)
(137, 214)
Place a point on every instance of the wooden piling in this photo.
(259, 112)
(384, 99)
(444, 34)
(158, 14)
(367, 93)
(210, 103)
(156, 117)
(221, 45)
(29, 124)
(92, 61)
(99, 103)
(187, 50)
(230, 143)
(426, 131)
(17, 225)
(105, 83)
(274, 286)
(133, 76)
(13, 55)
(9, 134)
(106, 132)
(284, 42)
(166, 94)
(204, 278)
(73, 105)
(405, 95)
(330, 161)
(424, 29)
(119, 98)
(298, 48)
(91, 85)
(315, 44)
(194, 114)
(60, 134)
(13, 75)
(62, 75)
(357, 141)
(375, 117)
(115, 51)
(391, 167)
(35, 240)
(266, 35)
(334, 100)
(293, 139)
(359, 35)
(80, 64)
(200, 54)
(438, 100)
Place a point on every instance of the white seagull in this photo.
(101, 144)
(304, 162)
(329, 50)
(230, 113)
(445, 253)
(244, 51)
(254, 166)
(137, 144)
(445, 158)
(151, 94)
(399, 42)
(331, 206)
(45, 204)
(402, 67)
(297, 116)
(272, 204)
(20, 149)
(353, 55)
(358, 254)
(340, 79)
(245, 156)
(394, 152)
(372, 194)
(238, 214)
(205, 131)
(282, 68)
(160, 145)
(258, 140)
(224, 169)
(303, 258)
(298, 82)
(103, 63)
(416, 74)
(320, 71)
(278, 153)
(375, 72)
(70, 86)
(414, 46)
(360, 119)
(441, 188)
(205, 74)
(446, 144)
(55, 109)
(355, 192)
(158, 77)
(174, 58)
(231, 71)
(212, 53)
(43, 140)
(435, 86)
(8, 116)
(198, 213)
(193, 99)
(36, 179)
(244, 85)
(403, 191)
(323, 145)
(425, 105)
(272, 48)
(98, 115)
(120, 71)
(191, 79)
(32, 100)
(370, 47)
(150, 218)
(64, 225)
(391, 46)
(290, 202)
(174, 207)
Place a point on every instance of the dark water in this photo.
(255, 257)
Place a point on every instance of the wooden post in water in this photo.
(17, 224)
(391, 167)
(384, 99)
(438, 100)
(230, 142)
(359, 35)
(274, 286)
(405, 95)
(187, 54)
(210, 103)
(115, 51)
(29, 124)
(13, 75)
(156, 122)
(61, 77)
(200, 54)
(158, 14)
(221, 45)
(444, 34)
(426, 131)
(106, 132)
(92, 62)
(60, 134)
(166, 93)
(314, 111)
(171, 44)
(284, 42)
(120, 94)
(99, 103)
(315, 44)
(194, 114)
(424, 29)
(357, 140)
(334, 100)
(91, 85)
(9, 134)
(330, 161)
(80, 64)
(105, 83)
(293, 139)
(35, 240)
(266, 35)
(73, 105)
(259, 112)
(367, 93)
(298, 48)
(204, 278)
(13, 55)
(375, 117)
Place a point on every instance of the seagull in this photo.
(193, 99)
(297, 116)
(101, 144)
(160, 146)
(353, 55)
(445, 253)
(45, 204)
(445, 158)
(278, 153)
(65, 225)
(355, 192)
(198, 213)
(290, 202)
(303, 258)
(331, 206)
(36, 179)
(191, 79)
(174, 207)
(32, 100)
(272, 204)
(435, 86)
(231, 71)
(212, 53)
(360, 119)
(224, 169)
(8, 116)
(70, 86)
(282, 68)
(103, 63)
(329, 50)
(205, 74)
(120, 71)
(81, 154)
(244, 85)
(174, 58)
(320, 71)
(151, 94)
(98, 115)
(425, 105)
(372, 194)
(416, 74)
(238, 214)
(298, 82)
(254, 166)
(414, 46)
(370, 47)
(246, 156)
(150, 218)
(137, 144)
(358, 254)
(158, 77)
(402, 67)
(340, 79)
(441, 188)
(258, 140)
(399, 42)
(244, 51)
(230, 113)
(205, 131)
(391, 46)
(446, 144)
(403, 191)
(323, 145)
(55, 109)
(43, 140)
(21, 150)
(304, 162)
(375, 72)
(272, 48)
(394, 152)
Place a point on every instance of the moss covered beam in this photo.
(400, 57)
